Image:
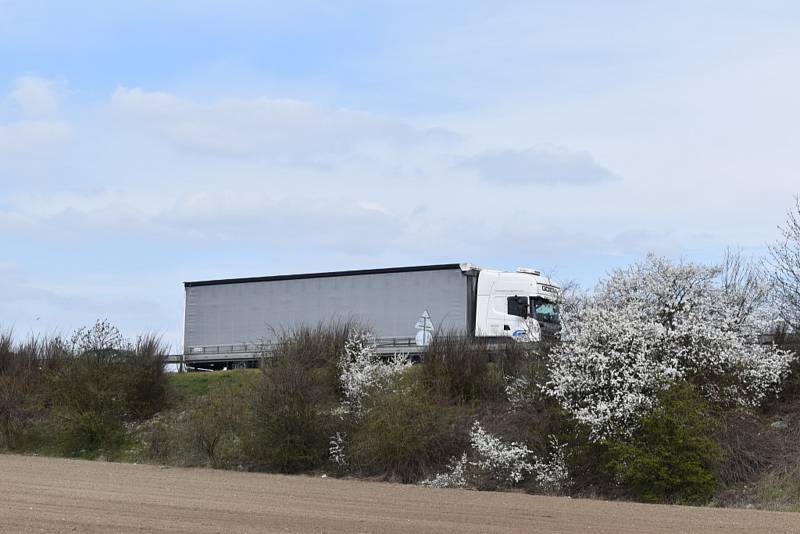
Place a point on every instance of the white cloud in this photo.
(34, 96)
(252, 216)
(29, 136)
(538, 166)
(290, 131)
(303, 180)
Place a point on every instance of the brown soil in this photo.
(57, 495)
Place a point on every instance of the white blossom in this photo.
(489, 456)
(506, 462)
(552, 473)
(646, 328)
(336, 450)
(519, 391)
(454, 477)
(361, 370)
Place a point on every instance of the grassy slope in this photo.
(191, 385)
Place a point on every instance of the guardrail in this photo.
(241, 352)
(238, 348)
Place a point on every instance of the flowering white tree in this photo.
(650, 325)
(361, 370)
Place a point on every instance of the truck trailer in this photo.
(236, 319)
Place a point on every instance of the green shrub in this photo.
(673, 454)
(289, 419)
(144, 381)
(88, 410)
(293, 400)
(406, 436)
(88, 433)
(101, 385)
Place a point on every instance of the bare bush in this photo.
(749, 447)
(745, 284)
(456, 367)
(19, 385)
(785, 259)
(313, 347)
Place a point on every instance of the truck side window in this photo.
(518, 306)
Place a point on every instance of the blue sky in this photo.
(149, 143)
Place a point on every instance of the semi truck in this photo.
(233, 320)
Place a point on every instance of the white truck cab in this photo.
(522, 305)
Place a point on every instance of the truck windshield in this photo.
(544, 309)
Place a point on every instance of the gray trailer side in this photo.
(222, 315)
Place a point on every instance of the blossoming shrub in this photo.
(654, 325)
(672, 456)
(454, 477)
(492, 462)
(503, 464)
(337, 450)
(552, 473)
(362, 370)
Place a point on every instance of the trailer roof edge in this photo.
(464, 267)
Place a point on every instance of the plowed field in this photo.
(57, 495)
